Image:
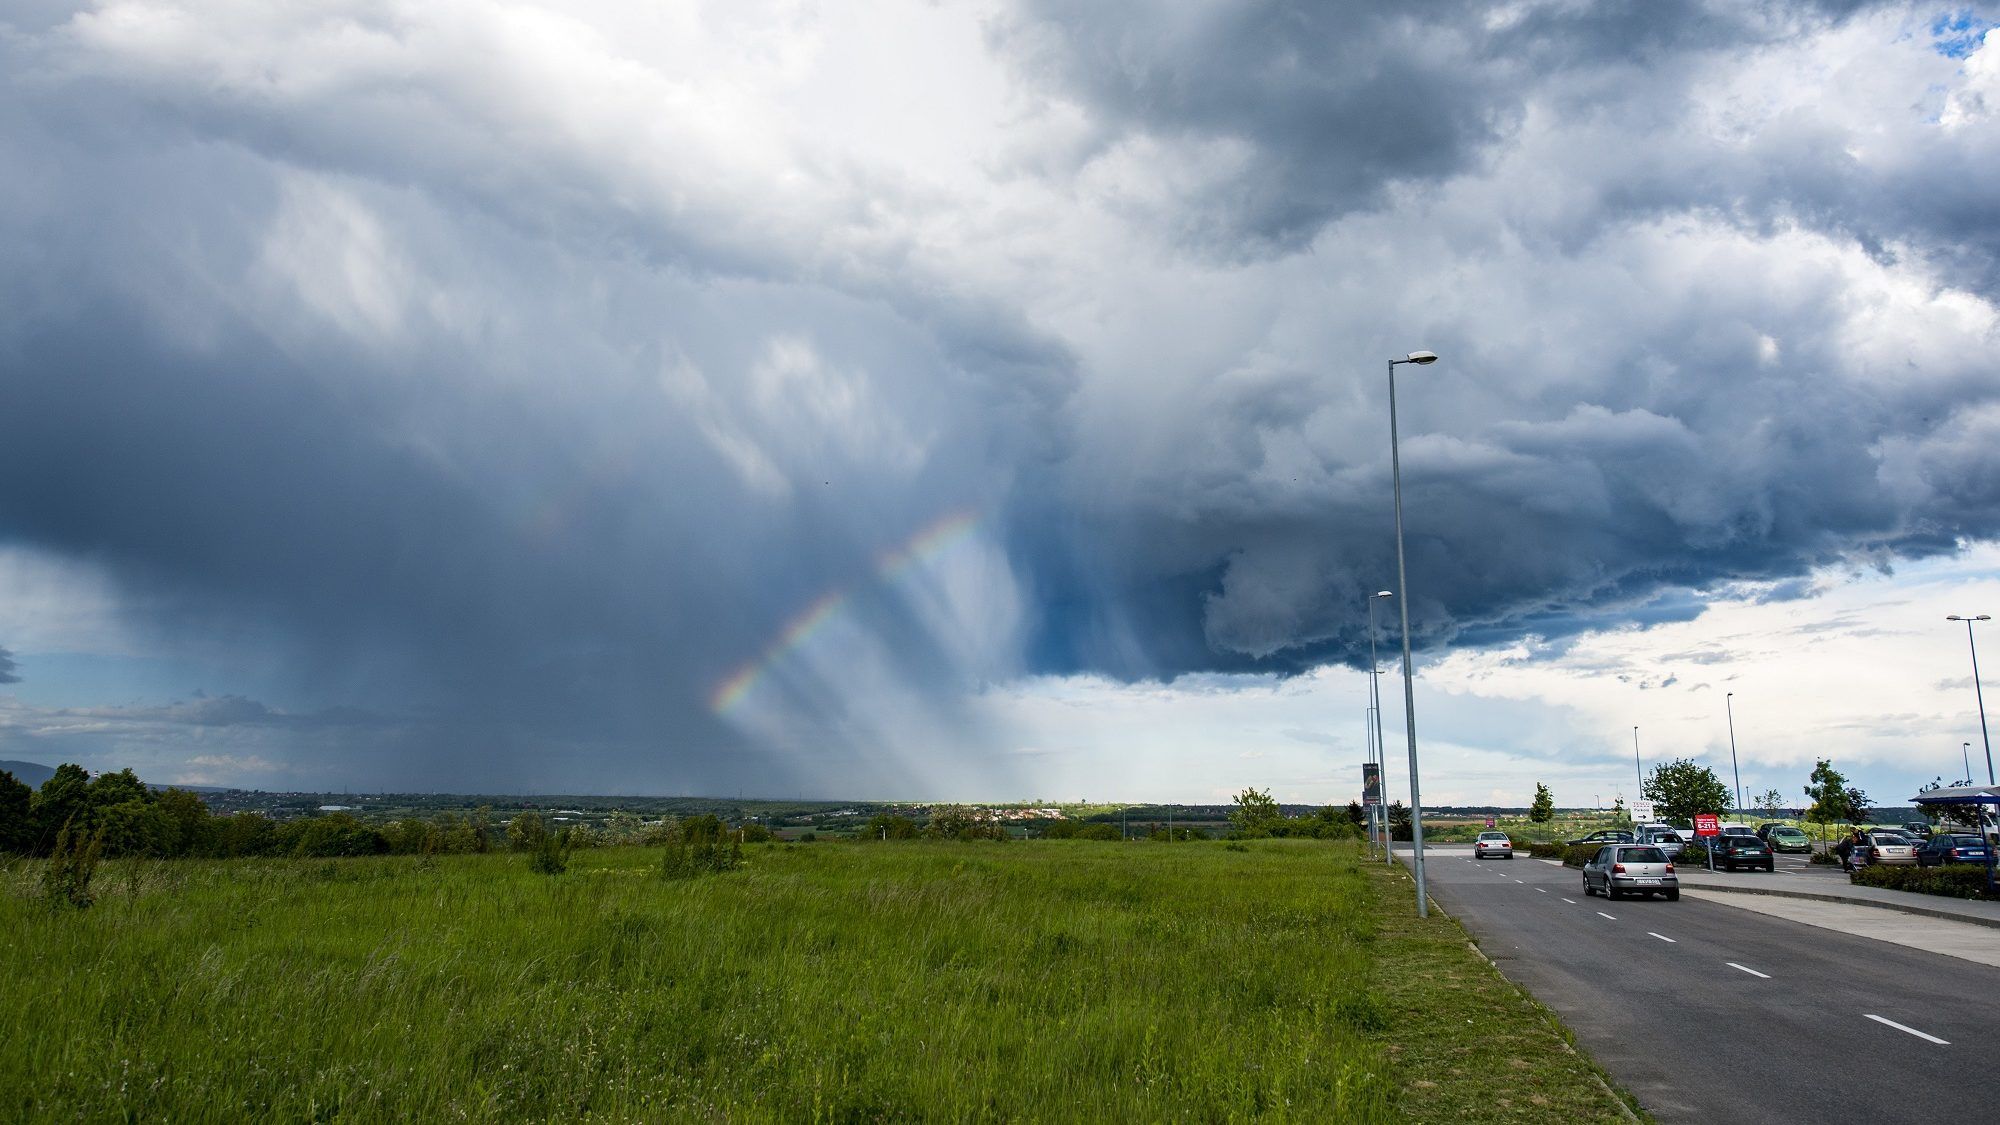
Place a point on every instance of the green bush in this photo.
(1548, 851)
(1576, 855)
(1953, 880)
(684, 860)
(1694, 855)
(66, 877)
(551, 856)
(1824, 859)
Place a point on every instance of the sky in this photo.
(989, 400)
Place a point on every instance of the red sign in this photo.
(1705, 825)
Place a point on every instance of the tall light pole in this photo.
(1375, 695)
(1637, 771)
(1965, 753)
(1976, 692)
(1421, 359)
(1733, 767)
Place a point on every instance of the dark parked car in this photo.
(1732, 852)
(1919, 828)
(1605, 836)
(1943, 848)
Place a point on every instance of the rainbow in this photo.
(894, 565)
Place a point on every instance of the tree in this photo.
(1254, 814)
(886, 826)
(1827, 789)
(1679, 789)
(1948, 816)
(17, 826)
(1399, 822)
(1857, 805)
(63, 798)
(525, 831)
(1544, 808)
(1771, 803)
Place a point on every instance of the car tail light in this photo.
(1619, 868)
(1670, 869)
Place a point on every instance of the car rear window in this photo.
(1493, 835)
(1744, 843)
(1787, 832)
(1641, 855)
(1884, 840)
(1967, 842)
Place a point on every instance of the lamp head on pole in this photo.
(1383, 594)
(1976, 617)
(1419, 358)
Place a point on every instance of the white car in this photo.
(1662, 836)
(1493, 843)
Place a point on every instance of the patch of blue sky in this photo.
(1957, 34)
(80, 679)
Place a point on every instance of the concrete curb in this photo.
(1901, 908)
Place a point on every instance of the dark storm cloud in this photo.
(7, 668)
(492, 394)
(1294, 114)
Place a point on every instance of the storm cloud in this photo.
(600, 398)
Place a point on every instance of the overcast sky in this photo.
(988, 400)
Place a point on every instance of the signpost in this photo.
(1643, 812)
(1705, 826)
(1371, 801)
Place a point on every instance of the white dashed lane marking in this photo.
(1602, 914)
(1911, 1030)
(1747, 969)
(1664, 938)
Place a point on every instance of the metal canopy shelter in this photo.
(1978, 797)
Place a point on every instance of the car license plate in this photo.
(1647, 882)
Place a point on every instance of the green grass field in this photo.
(834, 982)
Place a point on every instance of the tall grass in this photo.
(827, 983)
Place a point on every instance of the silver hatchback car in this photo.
(1622, 869)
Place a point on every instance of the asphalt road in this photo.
(1708, 1014)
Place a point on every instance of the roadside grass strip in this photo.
(1747, 969)
(1467, 1043)
(1913, 1031)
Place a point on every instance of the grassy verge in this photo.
(850, 983)
(1468, 1044)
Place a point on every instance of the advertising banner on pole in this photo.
(1371, 784)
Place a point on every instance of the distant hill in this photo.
(31, 774)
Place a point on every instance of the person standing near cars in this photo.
(1845, 850)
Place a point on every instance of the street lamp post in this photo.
(1965, 754)
(1733, 767)
(1637, 770)
(1375, 695)
(1976, 692)
(1421, 359)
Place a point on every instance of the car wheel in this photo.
(1610, 890)
(1587, 892)
(1673, 896)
